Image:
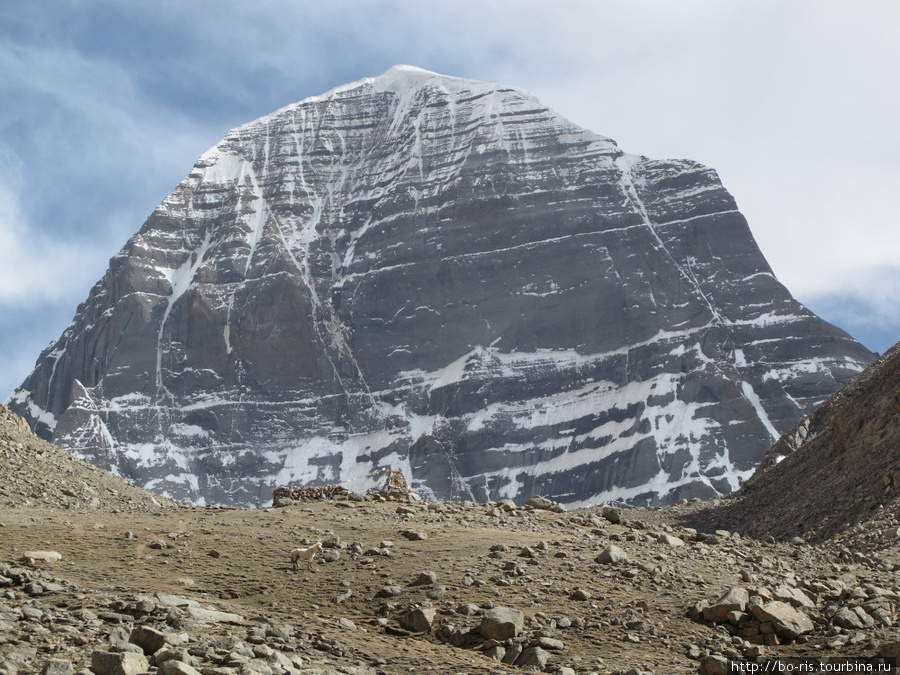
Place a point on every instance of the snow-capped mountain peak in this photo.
(444, 275)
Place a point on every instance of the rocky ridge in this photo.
(445, 275)
(37, 473)
(835, 477)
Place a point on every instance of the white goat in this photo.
(306, 554)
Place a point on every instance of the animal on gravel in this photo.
(306, 554)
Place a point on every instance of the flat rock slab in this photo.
(169, 600)
(213, 615)
(32, 557)
(788, 622)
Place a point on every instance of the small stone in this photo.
(496, 652)
(612, 514)
(714, 665)
(611, 554)
(847, 618)
(172, 667)
(507, 505)
(581, 595)
(734, 600)
(330, 555)
(670, 540)
(549, 643)
(889, 650)
(425, 578)
(390, 591)
(539, 503)
(436, 592)
(169, 653)
(512, 653)
(58, 667)
(737, 618)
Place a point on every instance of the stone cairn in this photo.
(294, 494)
(395, 489)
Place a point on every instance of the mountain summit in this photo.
(447, 276)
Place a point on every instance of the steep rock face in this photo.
(836, 473)
(445, 275)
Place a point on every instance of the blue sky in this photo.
(105, 105)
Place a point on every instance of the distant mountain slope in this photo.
(445, 275)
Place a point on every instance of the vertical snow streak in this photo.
(259, 211)
(625, 164)
(180, 279)
(755, 401)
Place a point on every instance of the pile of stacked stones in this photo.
(294, 494)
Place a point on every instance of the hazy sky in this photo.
(105, 105)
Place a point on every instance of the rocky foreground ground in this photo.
(99, 577)
(400, 588)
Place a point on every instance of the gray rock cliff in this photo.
(444, 275)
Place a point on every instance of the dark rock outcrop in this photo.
(445, 275)
(834, 477)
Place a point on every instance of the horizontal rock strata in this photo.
(444, 275)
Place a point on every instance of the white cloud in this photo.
(34, 267)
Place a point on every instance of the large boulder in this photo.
(735, 599)
(502, 623)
